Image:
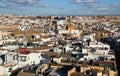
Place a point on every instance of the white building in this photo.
(36, 58)
(96, 50)
(3, 55)
(101, 48)
(3, 38)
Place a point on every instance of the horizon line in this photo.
(58, 15)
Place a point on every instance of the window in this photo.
(28, 58)
(106, 48)
(38, 56)
(23, 58)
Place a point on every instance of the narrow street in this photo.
(116, 51)
(117, 56)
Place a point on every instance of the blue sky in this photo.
(60, 7)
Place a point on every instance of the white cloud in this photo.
(86, 3)
(89, 1)
(102, 8)
(25, 3)
(116, 5)
(22, 1)
(77, 1)
(83, 1)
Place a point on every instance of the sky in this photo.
(60, 7)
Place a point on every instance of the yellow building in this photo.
(73, 72)
(70, 26)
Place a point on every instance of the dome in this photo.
(71, 26)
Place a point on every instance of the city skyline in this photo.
(60, 7)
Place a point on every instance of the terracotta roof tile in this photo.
(25, 74)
